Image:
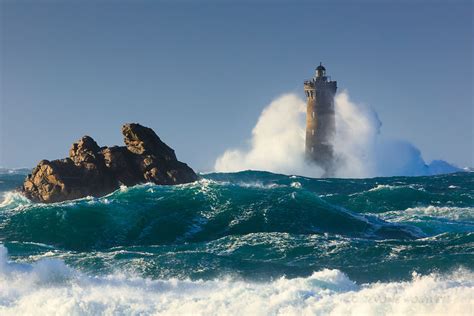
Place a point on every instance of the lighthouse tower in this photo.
(320, 119)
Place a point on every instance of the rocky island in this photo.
(91, 170)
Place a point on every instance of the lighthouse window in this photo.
(313, 114)
(312, 149)
(312, 132)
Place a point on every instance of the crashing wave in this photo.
(51, 287)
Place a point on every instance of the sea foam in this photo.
(49, 287)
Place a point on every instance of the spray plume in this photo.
(277, 144)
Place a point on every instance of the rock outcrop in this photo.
(94, 171)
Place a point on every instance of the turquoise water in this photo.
(245, 228)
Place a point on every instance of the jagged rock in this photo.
(59, 180)
(143, 140)
(85, 150)
(121, 163)
(94, 171)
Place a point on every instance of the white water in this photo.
(277, 144)
(49, 287)
(465, 214)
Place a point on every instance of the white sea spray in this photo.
(277, 144)
(463, 214)
(49, 287)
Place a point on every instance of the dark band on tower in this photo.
(320, 120)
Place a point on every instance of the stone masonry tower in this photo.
(320, 119)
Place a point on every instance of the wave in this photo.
(266, 256)
(14, 199)
(434, 219)
(465, 214)
(205, 210)
(252, 226)
(51, 287)
(222, 205)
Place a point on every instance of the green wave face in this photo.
(252, 224)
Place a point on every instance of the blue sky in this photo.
(200, 74)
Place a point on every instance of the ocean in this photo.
(246, 243)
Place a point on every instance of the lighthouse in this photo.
(320, 120)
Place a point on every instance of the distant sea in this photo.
(247, 243)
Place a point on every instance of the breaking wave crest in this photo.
(50, 287)
(207, 210)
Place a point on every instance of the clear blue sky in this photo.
(200, 75)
